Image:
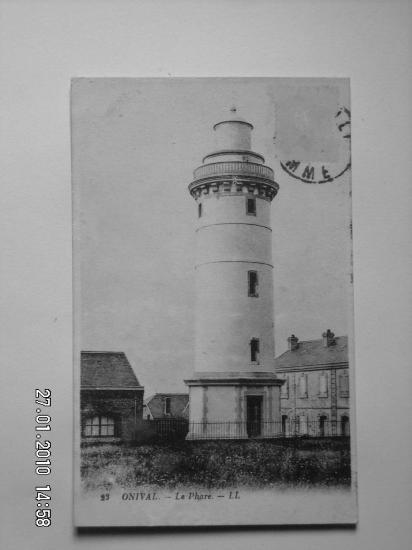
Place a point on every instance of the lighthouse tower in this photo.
(234, 392)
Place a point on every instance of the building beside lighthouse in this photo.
(315, 395)
(234, 392)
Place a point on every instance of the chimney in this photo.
(293, 343)
(328, 338)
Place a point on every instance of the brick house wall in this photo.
(124, 406)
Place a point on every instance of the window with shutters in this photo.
(285, 424)
(343, 381)
(323, 419)
(303, 424)
(344, 425)
(303, 385)
(284, 389)
(323, 384)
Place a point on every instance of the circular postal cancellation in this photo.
(313, 137)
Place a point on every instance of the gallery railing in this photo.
(233, 168)
(171, 428)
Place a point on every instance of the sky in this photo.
(135, 144)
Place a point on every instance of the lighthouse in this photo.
(233, 391)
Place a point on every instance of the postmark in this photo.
(319, 172)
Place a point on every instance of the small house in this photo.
(166, 405)
(111, 398)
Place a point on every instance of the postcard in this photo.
(213, 296)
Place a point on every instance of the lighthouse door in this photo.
(254, 415)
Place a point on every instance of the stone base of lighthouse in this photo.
(234, 405)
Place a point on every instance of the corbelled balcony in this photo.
(233, 168)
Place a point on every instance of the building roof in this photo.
(107, 370)
(155, 404)
(160, 394)
(314, 353)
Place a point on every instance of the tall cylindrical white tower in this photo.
(234, 380)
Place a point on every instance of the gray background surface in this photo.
(43, 45)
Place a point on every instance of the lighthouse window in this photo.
(251, 206)
(253, 283)
(254, 350)
(199, 210)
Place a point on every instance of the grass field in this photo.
(217, 464)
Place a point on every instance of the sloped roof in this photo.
(106, 369)
(160, 394)
(312, 353)
(155, 404)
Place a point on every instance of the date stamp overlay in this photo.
(42, 463)
(313, 135)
